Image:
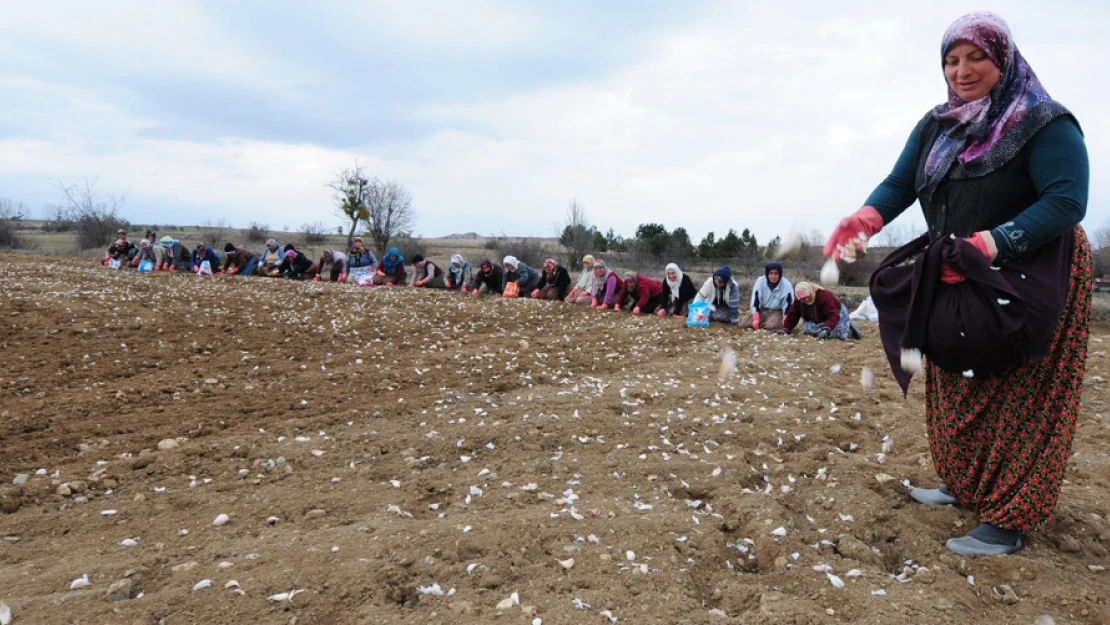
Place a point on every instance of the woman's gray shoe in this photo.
(932, 497)
(971, 546)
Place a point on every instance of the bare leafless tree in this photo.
(314, 233)
(389, 211)
(11, 214)
(1100, 238)
(12, 210)
(894, 235)
(96, 214)
(351, 188)
(576, 234)
(56, 218)
(213, 234)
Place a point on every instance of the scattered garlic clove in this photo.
(202, 584)
(830, 274)
(567, 564)
(221, 520)
(866, 379)
(80, 582)
(790, 245)
(911, 361)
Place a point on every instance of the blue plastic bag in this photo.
(697, 315)
(146, 266)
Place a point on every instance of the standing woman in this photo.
(679, 291)
(583, 291)
(772, 296)
(1003, 165)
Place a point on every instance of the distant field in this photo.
(439, 249)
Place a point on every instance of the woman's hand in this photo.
(535, 293)
(662, 314)
(982, 241)
(851, 235)
(636, 310)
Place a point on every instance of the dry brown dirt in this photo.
(405, 438)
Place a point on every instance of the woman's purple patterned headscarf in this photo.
(986, 133)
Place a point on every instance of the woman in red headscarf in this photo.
(1003, 166)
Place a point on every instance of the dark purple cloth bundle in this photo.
(998, 317)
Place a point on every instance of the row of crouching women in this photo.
(774, 304)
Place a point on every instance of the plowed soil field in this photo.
(406, 456)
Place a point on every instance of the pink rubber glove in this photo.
(617, 307)
(636, 310)
(535, 293)
(852, 233)
(662, 314)
(948, 276)
(316, 279)
(755, 321)
(233, 271)
(342, 278)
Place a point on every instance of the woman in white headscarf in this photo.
(516, 271)
(459, 273)
(679, 291)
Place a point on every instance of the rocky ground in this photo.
(405, 456)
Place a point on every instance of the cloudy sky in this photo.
(707, 115)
